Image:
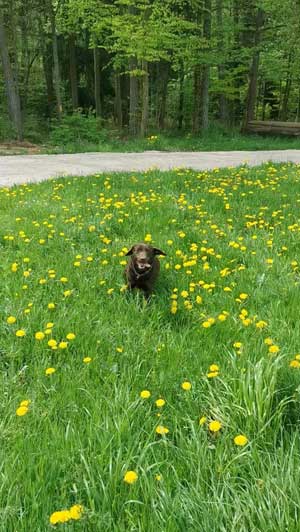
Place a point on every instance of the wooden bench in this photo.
(273, 128)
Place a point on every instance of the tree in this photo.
(11, 85)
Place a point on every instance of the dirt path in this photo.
(18, 169)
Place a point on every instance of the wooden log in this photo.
(273, 127)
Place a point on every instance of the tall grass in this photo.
(232, 240)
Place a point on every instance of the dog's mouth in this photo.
(142, 267)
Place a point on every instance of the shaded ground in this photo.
(19, 148)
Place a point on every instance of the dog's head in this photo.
(142, 256)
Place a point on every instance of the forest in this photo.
(142, 66)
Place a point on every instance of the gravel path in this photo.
(18, 169)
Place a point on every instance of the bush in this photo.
(77, 128)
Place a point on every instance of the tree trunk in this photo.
(73, 72)
(134, 98)
(163, 71)
(287, 90)
(47, 58)
(12, 92)
(206, 67)
(145, 99)
(118, 100)
(197, 99)
(97, 81)
(253, 74)
(181, 97)
(56, 71)
(236, 111)
(298, 107)
(223, 104)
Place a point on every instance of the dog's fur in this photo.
(143, 267)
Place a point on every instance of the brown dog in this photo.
(143, 267)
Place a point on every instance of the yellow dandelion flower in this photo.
(212, 374)
(49, 371)
(214, 426)
(161, 430)
(145, 394)
(186, 385)
(202, 420)
(52, 343)
(214, 367)
(160, 403)
(243, 296)
(71, 336)
(76, 511)
(120, 349)
(87, 360)
(11, 320)
(63, 345)
(130, 477)
(240, 440)
(20, 333)
(67, 293)
(22, 410)
(26, 402)
(55, 518)
(261, 324)
(51, 306)
(237, 345)
(268, 341)
(39, 335)
(273, 349)
(294, 364)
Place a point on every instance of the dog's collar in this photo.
(138, 275)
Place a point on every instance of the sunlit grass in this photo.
(214, 344)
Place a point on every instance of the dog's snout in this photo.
(143, 264)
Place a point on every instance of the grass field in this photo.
(220, 452)
(212, 140)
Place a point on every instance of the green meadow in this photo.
(84, 444)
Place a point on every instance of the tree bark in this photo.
(253, 74)
(206, 68)
(47, 59)
(134, 98)
(56, 70)
(236, 108)
(181, 97)
(223, 103)
(118, 100)
(97, 81)
(145, 99)
(14, 105)
(197, 99)
(287, 90)
(163, 71)
(73, 72)
(298, 107)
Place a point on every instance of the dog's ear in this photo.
(159, 252)
(130, 252)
